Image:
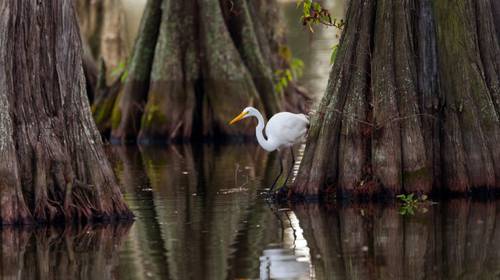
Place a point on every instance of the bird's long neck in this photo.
(263, 142)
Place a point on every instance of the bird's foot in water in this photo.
(278, 194)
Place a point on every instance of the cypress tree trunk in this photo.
(200, 63)
(127, 109)
(53, 163)
(395, 120)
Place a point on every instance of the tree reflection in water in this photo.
(199, 216)
(210, 223)
(457, 239)
(89, 252)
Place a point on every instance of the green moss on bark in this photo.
(116, 117)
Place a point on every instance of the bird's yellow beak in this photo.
(238, 118)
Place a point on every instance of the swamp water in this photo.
(200, 215)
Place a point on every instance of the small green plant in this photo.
(410, 203)
(293, 72)
(120, 70)
(285, 76)
(314, 13)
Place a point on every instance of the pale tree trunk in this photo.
(397, 116)
(105, 42)
(54, 167)
(103, 27)
(205, 61)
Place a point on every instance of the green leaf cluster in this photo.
(285, 76)
(120, 70)
(314, 13)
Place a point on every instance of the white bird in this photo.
(283, 130)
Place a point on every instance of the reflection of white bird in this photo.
(283, 130)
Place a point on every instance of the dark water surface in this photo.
(200, 216)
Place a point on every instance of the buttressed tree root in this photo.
(395, 118)
(197, 63)
(53, 166)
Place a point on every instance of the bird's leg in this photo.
(291, 167)
(279, 175)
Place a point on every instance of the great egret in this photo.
(283, 130)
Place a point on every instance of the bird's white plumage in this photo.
(286, 129)
(283, 129)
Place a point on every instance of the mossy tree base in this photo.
(411, 104)
(195, 65)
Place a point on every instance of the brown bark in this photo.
(169, 112)
(226, 79)
(386, 143)
(127, 109)
(489, 49)
(430, 127)
(428, 87)
(495, 5)
(50, 144)
(318, 169)
(470, 122)
(416, 176)
(244, 34)
(353, 162)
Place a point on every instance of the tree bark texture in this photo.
(53, 166)
(195, 65)
(411, 104)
